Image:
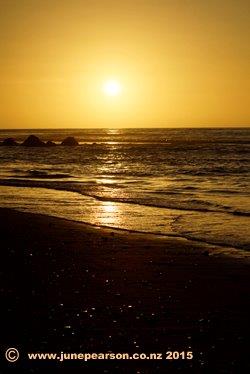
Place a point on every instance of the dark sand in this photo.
(68, 286)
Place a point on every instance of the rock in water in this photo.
(70, 140)
(33, 141)
(9, 142)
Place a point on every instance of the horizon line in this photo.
(127, 128)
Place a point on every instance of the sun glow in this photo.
(112, 88)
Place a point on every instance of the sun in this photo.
(112, 88)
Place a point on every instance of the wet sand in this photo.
(71, 287)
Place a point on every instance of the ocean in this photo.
(189, 183)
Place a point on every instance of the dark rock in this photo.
(50, 143)
(33, 141)
(9, 142)
(70, 141)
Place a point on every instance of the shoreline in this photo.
(230, 247)
(196, 244)
(72, 287)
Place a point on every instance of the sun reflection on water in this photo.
(108, 213)
(110, 207)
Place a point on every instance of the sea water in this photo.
(192, 183)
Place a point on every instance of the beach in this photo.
(124, 187)
(73, 287)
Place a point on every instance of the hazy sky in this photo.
(179, 63)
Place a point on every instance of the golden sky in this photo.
(178, 63)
